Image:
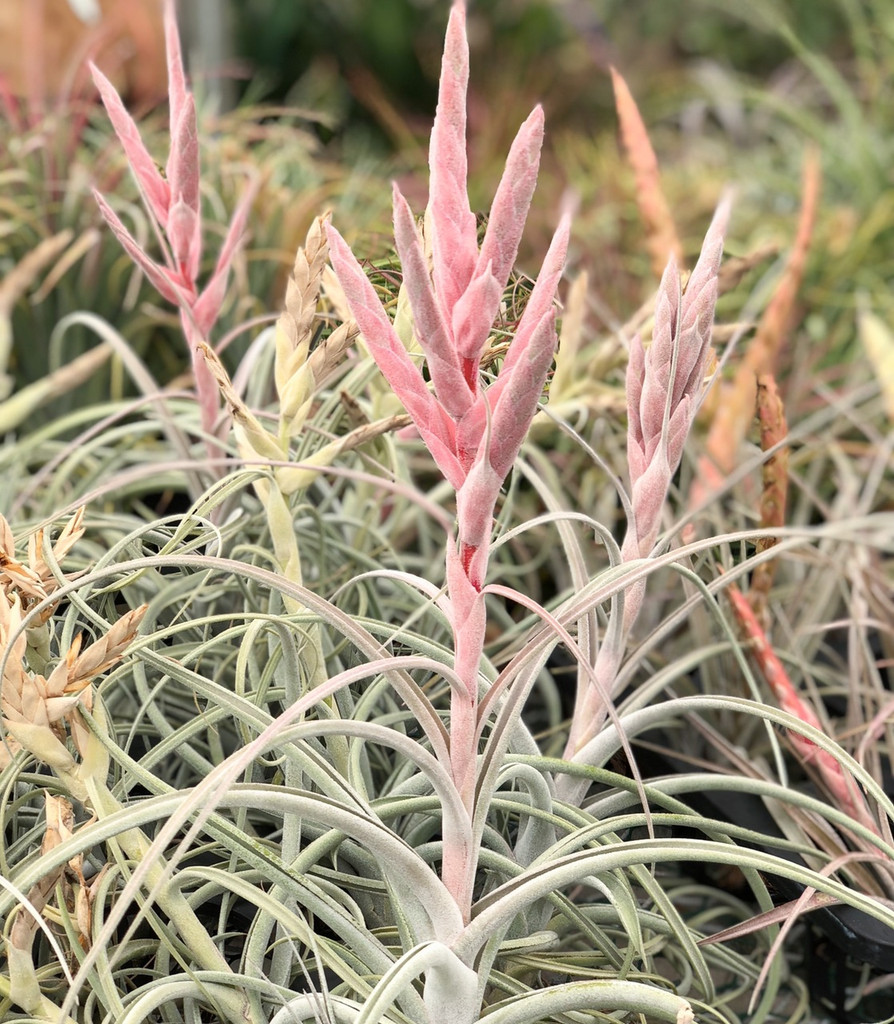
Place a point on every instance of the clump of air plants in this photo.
(309, 786)
(44, 715)
(41, 713)
(474, 431)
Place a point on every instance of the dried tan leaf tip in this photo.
(661, 232)
(35, 582)
(103, 653)
(774, 492)
(33, 707)
(303, 286)
(59, 827)
(297, 370)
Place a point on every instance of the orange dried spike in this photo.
(763, 352)
(661, 233)
(736, 409)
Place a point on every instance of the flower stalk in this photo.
(474, 432)
(664, 385)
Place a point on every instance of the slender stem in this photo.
(207, 390)
(460, 863)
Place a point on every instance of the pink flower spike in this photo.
(158, 276)
(451, 387)
(149, 180)
(454, 235)
(518, 399)
(402, 374)
(682, 332)
(183, 181)
(697, 310)
(473, 318)
(513, 200)
(184, 235)
(468, 614)
(636, 445)
(207, 308)
(539, 303)
(475, 503)
(183, 163)
(177, 91)
(660, 356)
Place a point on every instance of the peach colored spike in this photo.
(736, 410)
(661, 233)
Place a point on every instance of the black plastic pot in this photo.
(861, 938)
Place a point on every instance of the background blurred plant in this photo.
(173, 202)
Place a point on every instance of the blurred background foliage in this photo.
(732, 94)
(332, 99)
(396, 43)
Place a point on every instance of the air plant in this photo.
(173, 202)
(473, 432)
(664, 387)
(312, 787)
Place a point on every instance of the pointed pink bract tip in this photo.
(455, 38)
(332, 233)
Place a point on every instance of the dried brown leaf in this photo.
(778, 915)
(255, 440)
(735, 268)
(292, 479)
(105, 652)
(774, 493)
(328, 354)
(71, 533)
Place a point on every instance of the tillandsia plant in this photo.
(473, 432)
(173, 201)
(318, 785)
(664, 386)
(40, 713)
